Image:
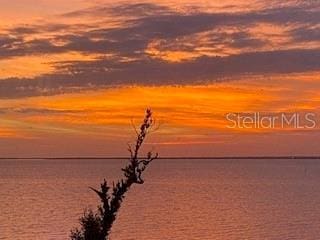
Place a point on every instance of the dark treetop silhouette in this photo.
(97, 225)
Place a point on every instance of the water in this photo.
(181, 199)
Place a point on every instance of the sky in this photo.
(76, 76)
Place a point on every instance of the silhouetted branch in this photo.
(98, 226)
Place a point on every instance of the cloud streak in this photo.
(92, 75)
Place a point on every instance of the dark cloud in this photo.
(108, 73)
(16, 47)
(8, 41)
(239, 40)
(135, 9)
(30, 29)
(149, 22)
(306, 34)
(23, 30)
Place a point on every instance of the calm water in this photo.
(181, 199)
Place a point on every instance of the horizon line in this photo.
(168, 157)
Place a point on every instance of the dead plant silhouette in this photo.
(97, 226)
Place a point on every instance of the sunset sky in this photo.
(76, 75)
